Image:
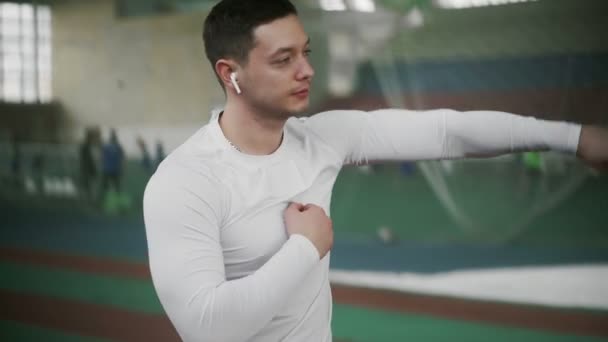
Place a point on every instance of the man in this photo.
(112, 164)
(237, 217)
(88, 165)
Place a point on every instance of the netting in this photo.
(410, 65)
(548, 179)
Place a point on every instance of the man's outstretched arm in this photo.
(396, 134)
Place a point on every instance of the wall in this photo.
(144, 76)
(129, 73)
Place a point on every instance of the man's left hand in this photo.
(593, 147)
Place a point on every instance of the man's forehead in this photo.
(282, 33)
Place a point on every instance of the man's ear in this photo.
(227, 72)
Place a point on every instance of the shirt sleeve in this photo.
(183, 215)
(397, 134)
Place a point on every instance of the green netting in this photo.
(494, 200)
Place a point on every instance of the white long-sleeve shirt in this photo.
(221, 261)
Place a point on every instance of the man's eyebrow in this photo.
(288, 49)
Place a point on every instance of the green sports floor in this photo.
(349, 323)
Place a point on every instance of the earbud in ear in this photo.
(234, 83)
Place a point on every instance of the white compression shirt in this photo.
(221, 261)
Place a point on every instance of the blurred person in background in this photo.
(160, 153)
(16, 164)
(88, 165)
(237, 217)
(146, 159)
(112, 164)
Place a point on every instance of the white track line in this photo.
(575, 286)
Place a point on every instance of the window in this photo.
(25, 53)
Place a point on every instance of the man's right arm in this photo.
(187, 266)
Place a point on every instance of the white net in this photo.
(494, 199)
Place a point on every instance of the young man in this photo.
(237, 217)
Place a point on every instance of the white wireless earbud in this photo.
(233, 80)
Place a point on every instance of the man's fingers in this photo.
(309, 206)
(295, 206)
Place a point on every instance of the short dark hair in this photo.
(228, 29)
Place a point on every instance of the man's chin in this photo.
(295, 110)
(299, 110)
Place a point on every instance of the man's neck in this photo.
(249, 132)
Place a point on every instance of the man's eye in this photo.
(284, 60)
(307, 52)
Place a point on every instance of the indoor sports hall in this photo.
(511, 248)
